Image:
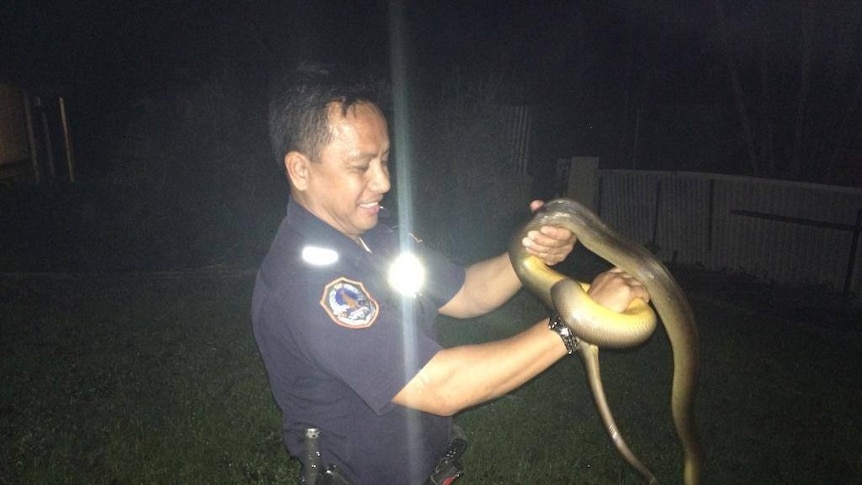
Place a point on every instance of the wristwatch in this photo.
(556, 324)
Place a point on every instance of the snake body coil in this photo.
(598, 327)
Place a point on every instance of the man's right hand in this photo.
(615, 290)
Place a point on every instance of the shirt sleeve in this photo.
(444, 278)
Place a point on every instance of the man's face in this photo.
(345, 185)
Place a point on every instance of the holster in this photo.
(450, 466)
(332, 476)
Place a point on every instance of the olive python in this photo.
(595, 326)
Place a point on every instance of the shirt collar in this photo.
(317, 232)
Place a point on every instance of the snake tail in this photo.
(590, 357)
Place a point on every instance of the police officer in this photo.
(350, 352)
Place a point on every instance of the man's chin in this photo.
(370, 225)
(367, 222)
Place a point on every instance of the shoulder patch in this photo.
(349, 304)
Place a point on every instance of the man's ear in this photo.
(296, 166)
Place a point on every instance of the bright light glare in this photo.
(407, 274)
(316, 256)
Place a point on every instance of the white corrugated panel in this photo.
(781, 231)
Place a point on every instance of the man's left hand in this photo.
(551, 244)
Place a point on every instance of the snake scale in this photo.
(596, 327)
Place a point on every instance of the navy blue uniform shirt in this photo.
(338, 344)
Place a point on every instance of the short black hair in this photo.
(299, 105)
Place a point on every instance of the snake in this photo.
(596, 327)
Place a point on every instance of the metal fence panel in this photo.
(787, 232)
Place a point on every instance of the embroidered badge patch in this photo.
(349, 304)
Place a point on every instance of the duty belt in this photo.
(448, 469)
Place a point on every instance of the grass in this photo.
(135, 379)
(154, 378)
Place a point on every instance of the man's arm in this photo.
(487, 285)
(460, 377)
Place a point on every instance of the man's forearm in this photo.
(487, 285)
(464, 376)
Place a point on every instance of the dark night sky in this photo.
(92, 42)
(89, 41)
(588, 54)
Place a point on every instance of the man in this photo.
(346, 355)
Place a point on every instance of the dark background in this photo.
(167, 98)
(597, 71)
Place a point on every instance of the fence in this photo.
(32, 123)
(786, 232)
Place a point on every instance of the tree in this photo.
(799, 99)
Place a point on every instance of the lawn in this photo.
(154, 378)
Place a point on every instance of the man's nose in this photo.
(379, 180)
